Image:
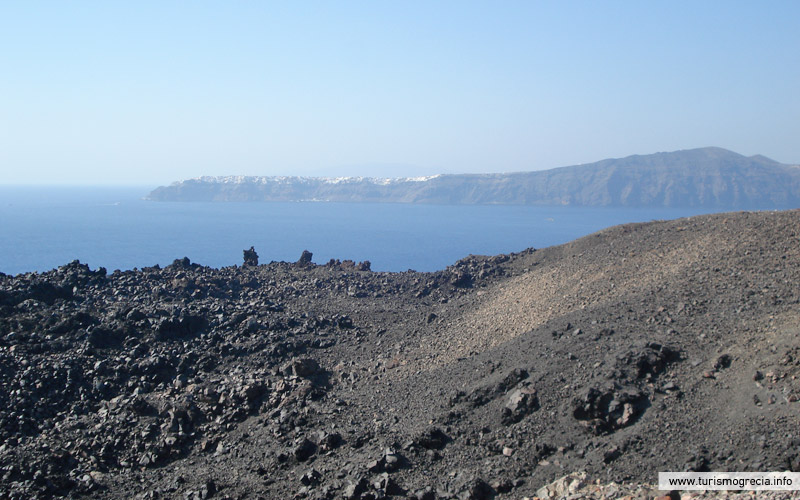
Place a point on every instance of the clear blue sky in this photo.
(141, 92)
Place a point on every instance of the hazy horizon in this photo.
(150, 93)
(381, 171)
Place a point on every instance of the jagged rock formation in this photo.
(645, 347)
(250, 257)
(702, 178)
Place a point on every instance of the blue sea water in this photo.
(43, 228)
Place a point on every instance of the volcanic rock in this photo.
(521, 402)
(305, 258)
(304, 381)
(250, 257)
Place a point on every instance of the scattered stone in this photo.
(670, 386)
(461, 279)
(503, 485)
(521, 403)
(563, 487)
(304, 367)
(388, 486)
(304, 449)
(138, 381)
(354, 489)
(311, 477)
(426, 493)
(476, 489)
(344, 321)
(723, 362)
(432, 438)
(606, 410)
(390, 461)
(328, 441)
(611, 454)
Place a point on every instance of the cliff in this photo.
(704, 178)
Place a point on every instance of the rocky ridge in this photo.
(707, 177)
(671, 345)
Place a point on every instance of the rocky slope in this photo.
(669, 345)
(707, 178)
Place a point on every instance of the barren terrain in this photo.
(665, 346)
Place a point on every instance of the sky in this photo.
(151, 92)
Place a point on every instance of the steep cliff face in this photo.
(707, 178)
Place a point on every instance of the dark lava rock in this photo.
(606, 410)
(390, 461)
(432, 438)
(723, 362)
(207, 490)
(476, 489)
(461, 279)
(311, 477)
(305, 258)
(103, 337)
(344, 321)
(250, 257)
(354, 489)
(521, 402)
(184, 263)
(650, 360)
(47, 292)
(303, 367)
(388, 486)
(180, 327)
(142, 383)
(611, 455)
(304, 449)
(328, 441)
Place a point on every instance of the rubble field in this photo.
(662, 346)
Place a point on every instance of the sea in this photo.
(42, 228)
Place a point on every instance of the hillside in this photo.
(703, 178)
(661, 346)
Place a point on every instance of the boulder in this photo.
(432, 438)
(386, 485)
(305, 258)
(461, 279)
(606, 410)
(250, 257)
(304, 449)
(521, 402)
(302, 367)
(354, 489)
(476, 489)
(311, 477)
